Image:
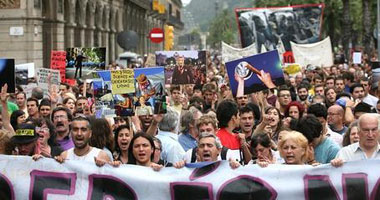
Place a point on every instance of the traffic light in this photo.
(169, 37)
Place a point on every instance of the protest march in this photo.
(285, 113)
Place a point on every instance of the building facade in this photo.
(31, 29)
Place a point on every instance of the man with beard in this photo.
(25, 140)
(303, 94)
(247, 121)
(339, 84)
(81, 135)
(182, 74)
(61, 118)
(357, 91)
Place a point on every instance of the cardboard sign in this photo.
(7, 74)
(122, 81)
(46, 77)
(58, 62)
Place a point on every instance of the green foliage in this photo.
(332, 16)
(222, 28)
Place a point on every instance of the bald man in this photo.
(335, 119)
(368, 145)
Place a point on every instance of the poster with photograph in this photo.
(82, 62)
(24, 72)
(150, 91)
(106, 103)
(7, 74)
(247, 72)
(183, 67)
(266, 27)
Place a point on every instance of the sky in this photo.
(185, 2)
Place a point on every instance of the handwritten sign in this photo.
(58, 62)
(43, 78)
(122, 81)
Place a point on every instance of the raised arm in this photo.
(4, 114)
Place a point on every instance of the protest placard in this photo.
(230, 53)
(275, 27)
(46, 77)
(58, 62)
(7, 74)
(317, 54)
(24, 72)
(150, 60)
(292, 68)
(122, 81)
(150, 91)
(357, 58)
(108, 104)
(246, 71)
(183, 67)
(82, 62)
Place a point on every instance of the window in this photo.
(60, 6)
(170, 9)
(37, 4)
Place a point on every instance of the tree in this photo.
(367, 25)
(223, 28)
(347, 28)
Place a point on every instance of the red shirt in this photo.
(229, 140)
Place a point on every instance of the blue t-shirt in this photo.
(326, 151)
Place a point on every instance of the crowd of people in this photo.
(322, 115)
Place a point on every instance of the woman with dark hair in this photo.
(123, 136)
(69, 103)
(47, 137)
(261, 148)
(102, 136)
(270, 124)
(141, 151)
(352, 134)
(17, 117)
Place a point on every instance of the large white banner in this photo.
(230, 53)
(21, 179)
(319, 54)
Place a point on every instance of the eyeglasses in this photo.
(39, 129)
